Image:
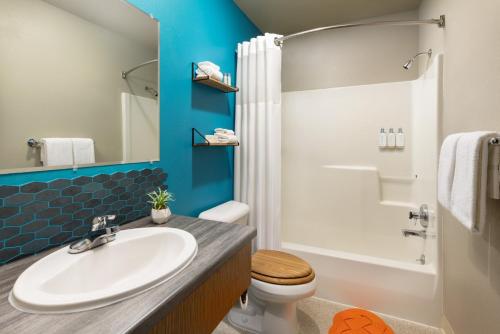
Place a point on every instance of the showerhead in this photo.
(408, 64)
(410, 61)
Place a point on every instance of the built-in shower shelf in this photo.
(205, 142)
(207, 81)
(399, 204)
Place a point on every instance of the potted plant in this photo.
(160, 212)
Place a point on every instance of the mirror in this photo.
(78, 84)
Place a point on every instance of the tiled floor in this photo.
(315, 317)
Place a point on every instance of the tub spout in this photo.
(408, 233)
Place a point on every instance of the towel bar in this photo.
(34, 143)
(494, 169)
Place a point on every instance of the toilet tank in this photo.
(229, 212)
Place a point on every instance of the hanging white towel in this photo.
(57, 152)
(469, 189)
(446, 169)
(83, 151)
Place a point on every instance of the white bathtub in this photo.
(397, 288)
(345, 200)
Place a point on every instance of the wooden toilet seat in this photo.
(280, 268)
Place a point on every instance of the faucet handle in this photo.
(422, 215)
(100, 222)
(113, 229)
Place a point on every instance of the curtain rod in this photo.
(125, 73)
(439, 22)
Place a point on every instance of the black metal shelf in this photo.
(205, 142)
(207, 81)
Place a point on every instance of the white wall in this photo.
(350, 57)
(471, 102)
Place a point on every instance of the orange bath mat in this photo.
(358, 321)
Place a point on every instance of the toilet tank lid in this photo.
(228, 212)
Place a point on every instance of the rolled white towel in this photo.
(209, 64)
(224, 131)
(211, 72)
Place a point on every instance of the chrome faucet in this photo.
(422, 215)
(407, 233)
(99, 235)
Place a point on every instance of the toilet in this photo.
(279, 281)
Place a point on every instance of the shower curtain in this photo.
(257, 164)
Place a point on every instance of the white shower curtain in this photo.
(257, 160)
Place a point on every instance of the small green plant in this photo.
(160, 199)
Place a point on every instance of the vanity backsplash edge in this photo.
(40, 215)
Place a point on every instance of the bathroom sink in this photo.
(139, 259)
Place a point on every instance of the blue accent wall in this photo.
(190, 31)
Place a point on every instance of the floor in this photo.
(315, 317)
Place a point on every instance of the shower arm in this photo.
(428, 53)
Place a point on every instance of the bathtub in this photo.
(345, 200)
(401, 289)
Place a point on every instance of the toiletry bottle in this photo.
(400, 138)
(229, 79)
(391, 138)
(382, 138)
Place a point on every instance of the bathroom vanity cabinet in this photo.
(193, 301)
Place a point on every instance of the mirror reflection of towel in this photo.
(67, 151)
(83, 151)
(57, 152)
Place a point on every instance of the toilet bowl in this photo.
(279, 281)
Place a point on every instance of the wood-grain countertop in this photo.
(217, 242)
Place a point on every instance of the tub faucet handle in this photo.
(422, 215)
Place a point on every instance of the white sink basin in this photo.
(138, 260)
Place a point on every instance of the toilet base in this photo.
(258, 318)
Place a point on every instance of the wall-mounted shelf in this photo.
(205, 142)
(207, 81)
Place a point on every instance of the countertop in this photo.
(217, 242)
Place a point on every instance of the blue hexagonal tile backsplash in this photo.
(40, 215)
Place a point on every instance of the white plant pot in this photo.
(160, 216)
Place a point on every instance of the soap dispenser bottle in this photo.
(382, 138)
(391, 138)
(400, 138)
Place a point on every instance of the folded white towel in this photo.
(446, 169)
(226, 138)
(57, 152)
(224, 131)
(83, 151)
(469, 189)
(209, 64)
